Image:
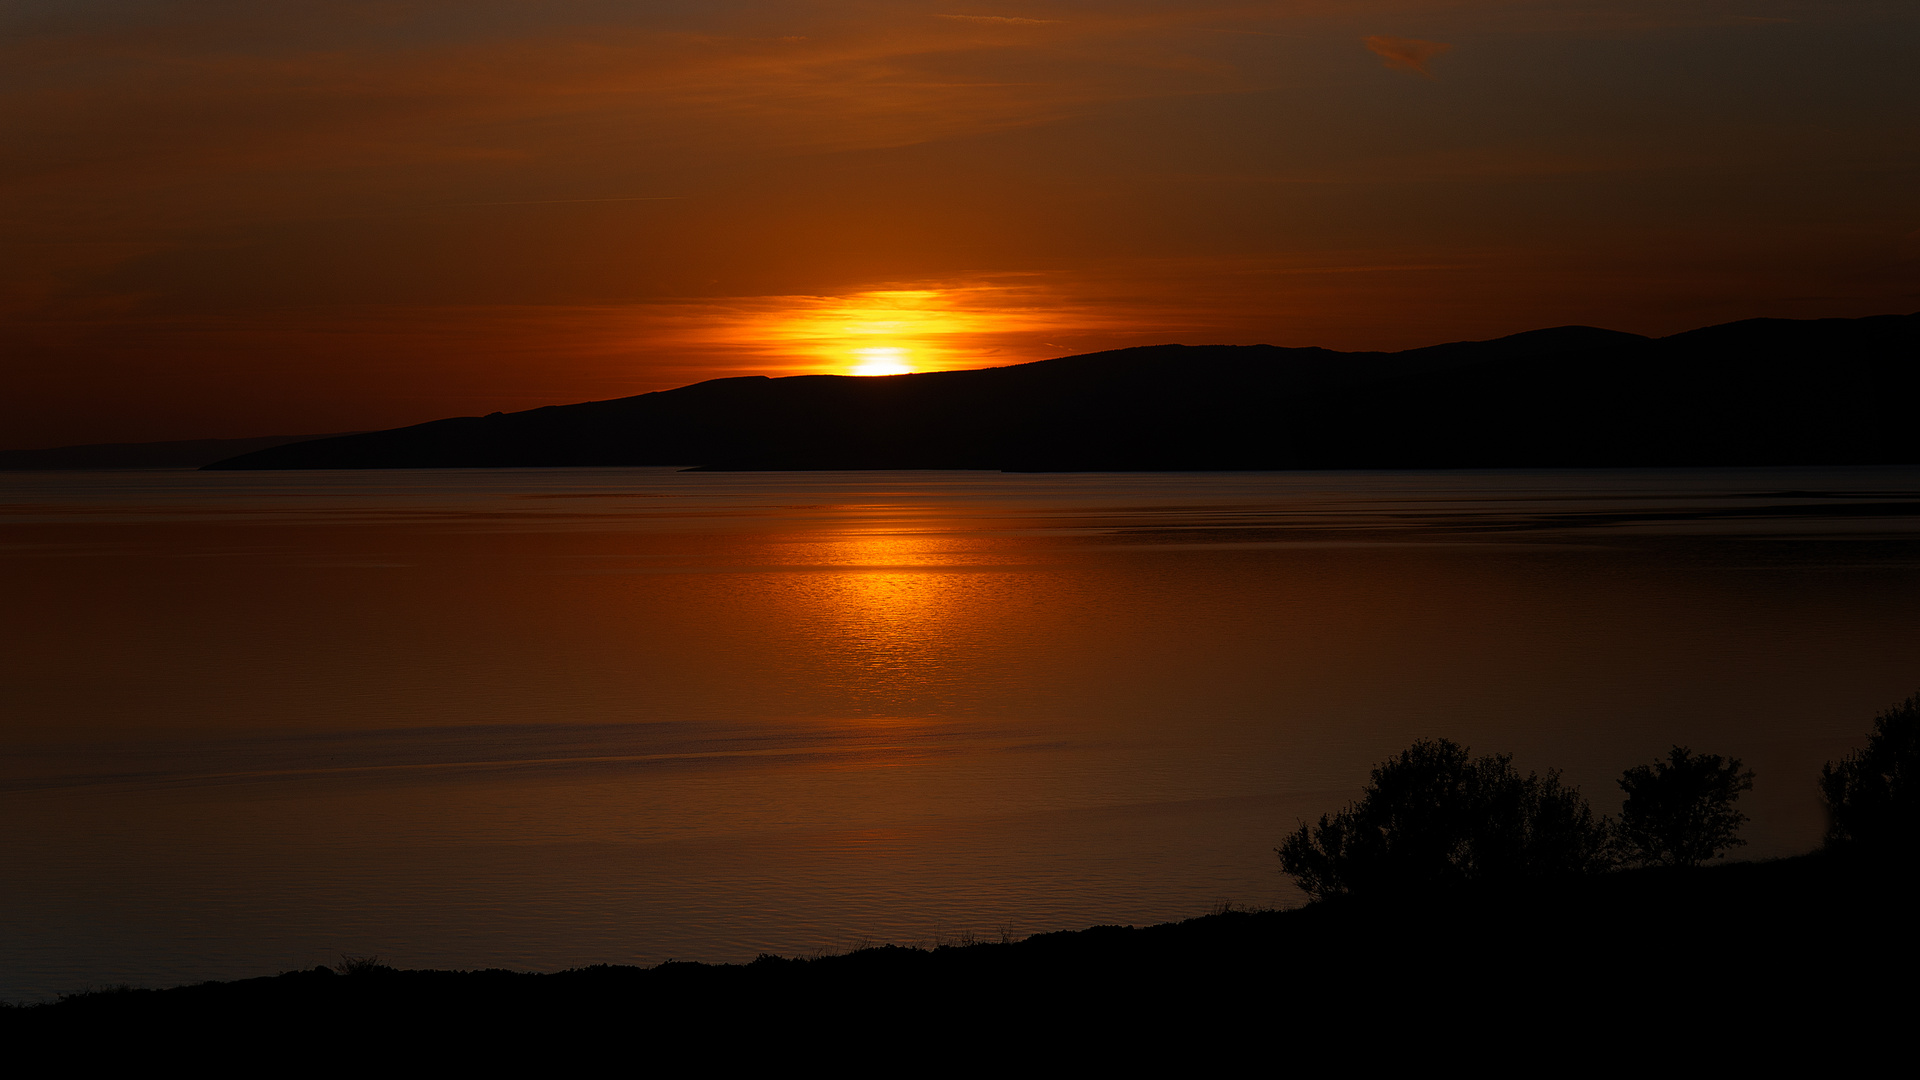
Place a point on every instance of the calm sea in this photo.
(545, 718)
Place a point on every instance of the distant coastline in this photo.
(1759, 392)
(172, 454)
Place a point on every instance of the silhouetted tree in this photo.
(1679, 812)
(1871, 796)
(1433, 818)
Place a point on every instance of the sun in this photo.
(891, 331)
(881, 360)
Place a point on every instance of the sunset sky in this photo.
(228, 219)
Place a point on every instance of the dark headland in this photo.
(1759, 392)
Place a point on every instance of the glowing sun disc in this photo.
(882, 361)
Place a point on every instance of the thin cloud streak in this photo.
(1406, 54)
(1002, 20)
(563, 202)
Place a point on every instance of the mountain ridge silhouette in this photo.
(1756, 392)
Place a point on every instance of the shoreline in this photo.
(1810, 934)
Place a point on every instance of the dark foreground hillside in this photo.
(1738, 966)
(1762, 392)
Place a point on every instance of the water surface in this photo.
(542, 718)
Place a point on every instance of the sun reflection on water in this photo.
(897, 618)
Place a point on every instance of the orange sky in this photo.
(223, 218)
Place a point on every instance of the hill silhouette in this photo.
(1759, 392)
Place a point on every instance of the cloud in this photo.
(1003, 20)
(1406, 54)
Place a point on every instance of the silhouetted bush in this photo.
(360, 965)
(1679, 812)
(1432, 818)
(1871, 800)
